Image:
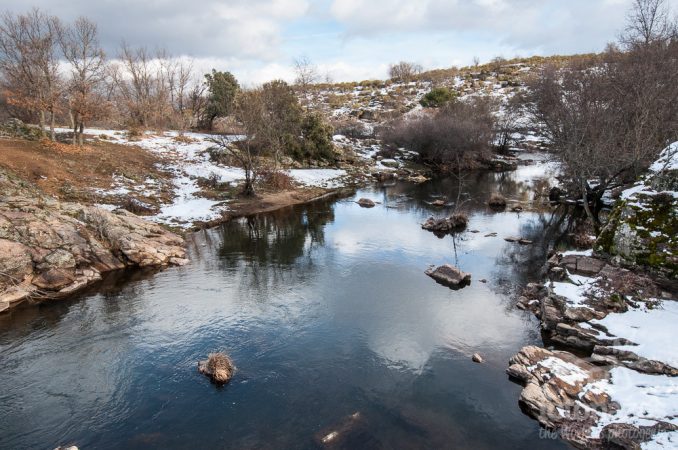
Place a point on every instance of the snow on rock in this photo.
(653, 330)
(576, 293)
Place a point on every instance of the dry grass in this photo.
(276, 180)
(218, 367)
(497, 200)
(458, 220)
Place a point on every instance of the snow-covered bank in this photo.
(188, 159)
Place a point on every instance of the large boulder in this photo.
(643, 227)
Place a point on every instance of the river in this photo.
(326, 311)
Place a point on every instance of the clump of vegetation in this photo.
(404, 71)
(438, 97)
(497, 200)
(218, 367)
(277, 180)
(456, 132)
(608, 118)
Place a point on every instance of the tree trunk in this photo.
(587, 208)
(82, 132)
(73, 126)
(42, 121)
(52, 135)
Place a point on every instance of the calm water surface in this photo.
(326, 311)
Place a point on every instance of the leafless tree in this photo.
(29, 61)
(80, 45)
(648, 21)
(404, 71)
(251, 113)
(306, 74)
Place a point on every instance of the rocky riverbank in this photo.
(614, 311)
(51, 249)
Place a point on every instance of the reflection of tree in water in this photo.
(518, 264)
(275, 248)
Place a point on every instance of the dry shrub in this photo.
(628, 284)
(183, 139)
(458, 220)
(277, 180)
(497, 200)
(218, 367)
(136, 206)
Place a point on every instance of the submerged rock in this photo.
(366, 203)
(449, 276)
(218, 367)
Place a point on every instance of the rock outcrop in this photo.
(51, 249)
(643, 227)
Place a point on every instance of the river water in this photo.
(326, 311)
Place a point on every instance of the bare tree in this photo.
(648, 21)
(80, 45)
(404, 71)
(29, 61)
(250, 112)
(306, 73)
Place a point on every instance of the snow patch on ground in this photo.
(575, 292)
(652, 329)
(643, 399)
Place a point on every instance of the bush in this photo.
(317, 141)
(455, 133)
(497, 200)
(277, 180)
(438, 97)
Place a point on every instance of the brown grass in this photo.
(497, 200)
(218, 367)
(276, 180)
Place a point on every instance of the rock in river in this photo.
(366, 203)
(449, 276)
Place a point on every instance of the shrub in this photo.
(455, 133)
(497, 200)
(438, 97)
(277, 180)
(316, 138)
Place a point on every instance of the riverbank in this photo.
(612, 314)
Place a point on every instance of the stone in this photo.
(477, 358)
(366, 203)
(449, 276)
(456, 222)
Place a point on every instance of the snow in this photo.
(575, 292)
(643, 399)
(668, 159)
(327, 178)
(662, 441)
(188, 159)
(568, 372)
(652, 329)
(578, 253)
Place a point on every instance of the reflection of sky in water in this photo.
(325, 309)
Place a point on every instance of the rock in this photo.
(523, 241)
(392, 163)
(511, 239)
(218, 367)
(418, 179)
(517, 208)
(58, 248)
(449, 276)
(477, 358)
(366, 203)
(438, 203)
(456, 222)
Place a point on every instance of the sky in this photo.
(347, 40)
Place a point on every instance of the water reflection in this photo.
(325, 309)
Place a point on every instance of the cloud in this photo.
(214, 28)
